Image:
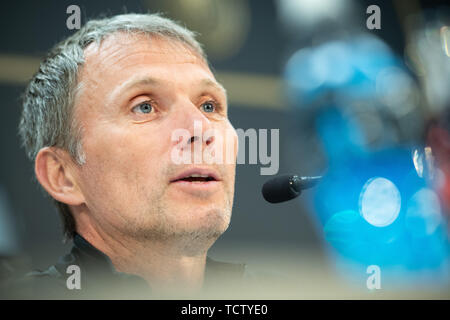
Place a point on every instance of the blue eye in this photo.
(208, 107)
(144, 107)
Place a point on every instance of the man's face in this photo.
(135, 92)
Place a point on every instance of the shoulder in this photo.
(36, 284)
(50, 283)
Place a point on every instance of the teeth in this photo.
(198, 176)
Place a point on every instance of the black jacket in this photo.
(100, 280)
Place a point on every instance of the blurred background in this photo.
(366, 108)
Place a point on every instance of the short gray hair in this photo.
(47, 114)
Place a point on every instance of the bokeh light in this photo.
(423, 214)
(380, 202)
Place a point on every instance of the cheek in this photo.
(231, 145)
(232, 135)
(123, 164)
(229, 141)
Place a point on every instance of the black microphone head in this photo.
(279, 189)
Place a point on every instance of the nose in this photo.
(194, 138)
(197, 125)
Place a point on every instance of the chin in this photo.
(210, 223)
(213, 220)
(190, 224)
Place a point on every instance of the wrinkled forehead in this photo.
(125, 44)
(123, 53)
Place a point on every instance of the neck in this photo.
(163, 264)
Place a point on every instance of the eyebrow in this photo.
(140, 82)
(213, 84)
(155, 82)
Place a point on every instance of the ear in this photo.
(55, 171)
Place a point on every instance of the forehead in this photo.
(122, 42)
(122, 55)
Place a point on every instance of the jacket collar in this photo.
(95, 260)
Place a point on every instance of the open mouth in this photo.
(197, 178)
(197, 182)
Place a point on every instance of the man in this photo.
(98, 121)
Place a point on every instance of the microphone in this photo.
(287, 187)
